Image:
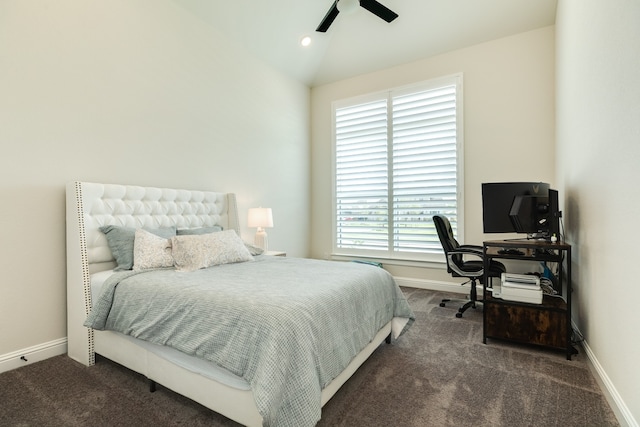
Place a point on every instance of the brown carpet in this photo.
(438, 374)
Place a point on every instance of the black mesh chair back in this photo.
(459, 264)
(447, 239)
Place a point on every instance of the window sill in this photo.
(392, 261)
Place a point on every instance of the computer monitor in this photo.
(497, 202)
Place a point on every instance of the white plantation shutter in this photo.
(362, 195)
(396, 165)
(424, 167)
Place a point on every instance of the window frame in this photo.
(388, 255)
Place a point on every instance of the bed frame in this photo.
(90, 206)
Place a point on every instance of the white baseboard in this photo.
(33, 354)
(625, 417)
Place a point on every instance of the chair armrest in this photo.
(465, 250)
(471, 248)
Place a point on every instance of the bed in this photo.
(240, 336)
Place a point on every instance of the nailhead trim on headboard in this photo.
(86, 276)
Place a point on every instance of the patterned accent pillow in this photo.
(121, 239)
(193, 252)
(253, 250)
(151, 251)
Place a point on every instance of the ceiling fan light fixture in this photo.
(373, 6)
(348, 6)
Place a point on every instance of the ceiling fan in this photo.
(343, 5)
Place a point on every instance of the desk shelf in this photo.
(547, 324)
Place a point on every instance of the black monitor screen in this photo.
(529, 214)
(498, 199)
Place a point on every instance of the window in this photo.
(397, 163)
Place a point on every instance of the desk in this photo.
(547, 324)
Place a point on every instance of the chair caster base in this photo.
(467, 305)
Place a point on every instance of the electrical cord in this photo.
(547, 286)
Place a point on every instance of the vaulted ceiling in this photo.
(359, 42)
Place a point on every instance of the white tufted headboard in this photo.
(91, 205)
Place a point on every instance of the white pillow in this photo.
(151, 251)
(192, 252)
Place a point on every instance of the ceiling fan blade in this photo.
(379, 10)
(328, 18)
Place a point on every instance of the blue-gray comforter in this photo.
(288, 326)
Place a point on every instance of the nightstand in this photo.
(275, 253)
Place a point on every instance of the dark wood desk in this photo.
(547, 324)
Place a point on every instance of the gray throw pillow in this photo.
(203, 230)
(121, 240)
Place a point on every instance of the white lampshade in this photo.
(261, 218)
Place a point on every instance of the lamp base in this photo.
(261, 240)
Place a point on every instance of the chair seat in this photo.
(495, 268)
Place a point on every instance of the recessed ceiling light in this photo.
(305, 41)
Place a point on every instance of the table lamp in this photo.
(261, 218)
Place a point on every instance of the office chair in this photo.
(458, 266)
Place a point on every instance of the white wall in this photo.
(598, 134)
(133, 92)
(509, 125)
